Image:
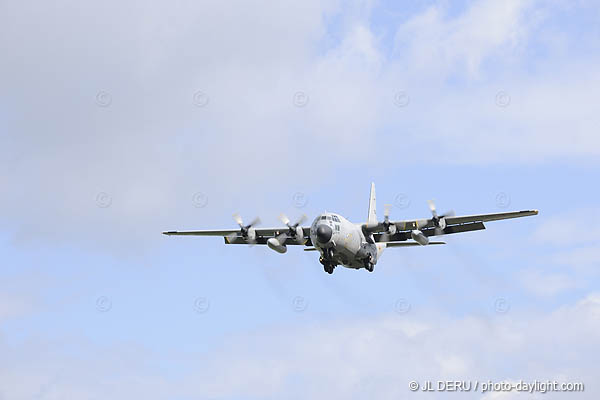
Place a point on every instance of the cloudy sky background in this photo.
(119, 120)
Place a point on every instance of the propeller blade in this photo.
(301, 220)
(237, 218)
(284, 219)
(432, 208)
(231, 237)
(255, 221)
(386, 212)
(449, 214)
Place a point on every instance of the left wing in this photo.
(408, 244)
(391, 244)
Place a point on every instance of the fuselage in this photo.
(342, 242)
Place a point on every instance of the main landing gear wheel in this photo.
(369, 265)
(327, 266)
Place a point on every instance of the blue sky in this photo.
(106, 142)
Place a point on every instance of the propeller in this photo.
(439, 221)
(247, 231)
(294, 231)
(390, 228)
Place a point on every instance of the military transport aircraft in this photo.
(341, 242)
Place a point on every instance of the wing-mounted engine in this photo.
(438, 221)
(246, 231)
(294, 232)
(390, 228)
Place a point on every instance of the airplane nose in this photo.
(324, 233)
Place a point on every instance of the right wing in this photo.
(262, 235)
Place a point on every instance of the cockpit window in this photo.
(328, 218)
(324, 217)
(335, 218)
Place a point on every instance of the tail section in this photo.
(372, 218)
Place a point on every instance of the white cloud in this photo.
(344, 358)
(151, 149)
(436, 42)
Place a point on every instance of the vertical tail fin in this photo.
(372, 218)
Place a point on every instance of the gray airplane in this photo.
(356, 246)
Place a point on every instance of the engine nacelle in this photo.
(418, 237)
(299, 234)
(274, 244)
(442, 223)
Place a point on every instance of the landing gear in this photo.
(327, 266)
(369, 265)
(330, 253)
